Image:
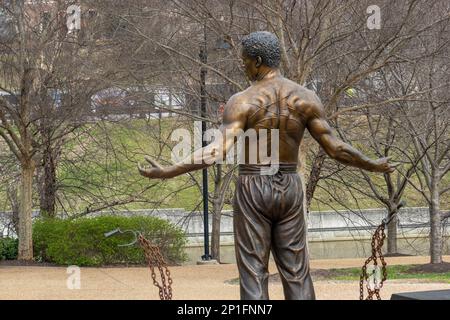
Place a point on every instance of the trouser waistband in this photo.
(266, 169)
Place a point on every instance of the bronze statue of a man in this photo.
(268, 209)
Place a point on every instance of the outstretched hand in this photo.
(384, 166)
(155, 171)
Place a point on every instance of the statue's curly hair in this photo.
(263, 44)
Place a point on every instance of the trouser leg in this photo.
(290, 253)
(252, 244)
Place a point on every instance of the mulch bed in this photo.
(23, 263)
(316, 274)
(397, 255)
(323, 274)
(443, 267)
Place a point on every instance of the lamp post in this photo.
(204, 59)
(203, 55)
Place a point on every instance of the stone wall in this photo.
(331, 234)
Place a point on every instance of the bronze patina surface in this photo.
(269, 210)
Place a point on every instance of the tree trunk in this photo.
(217, 214)
(221, 185)
(12, 194)
(47, 185)
(314, 176)
(392, 235)
(25, 213)
(435, 225)
(215, 236)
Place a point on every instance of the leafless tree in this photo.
(325, 45)
(48, 78)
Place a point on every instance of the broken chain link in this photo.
(377, 245)
(154, 259)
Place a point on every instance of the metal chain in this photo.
(377, 244)
(156, 260)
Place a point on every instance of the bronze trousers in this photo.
(268, 216)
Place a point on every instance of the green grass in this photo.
(393, 273)
(141, 137)
(112, 169)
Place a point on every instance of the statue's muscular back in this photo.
(278, 103)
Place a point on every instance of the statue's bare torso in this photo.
(277, 103)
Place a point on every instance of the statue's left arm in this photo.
(336, 148)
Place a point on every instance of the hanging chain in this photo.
(377, 245)
(156, 260)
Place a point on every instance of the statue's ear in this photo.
(258, 61)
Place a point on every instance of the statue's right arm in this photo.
(233, 124)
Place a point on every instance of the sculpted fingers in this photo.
(143, 171)
(384, 166)
(387, 166)
(152, 162)
(155, 171)
(394, 166)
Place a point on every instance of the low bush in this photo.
(82, 242)
(8, 248)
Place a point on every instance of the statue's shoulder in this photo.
(237, 105)
(303, 94)
(304, 100)
(298, 89)
(241, 99)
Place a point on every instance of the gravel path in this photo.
(190, 282)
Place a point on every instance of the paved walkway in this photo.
(190, 282)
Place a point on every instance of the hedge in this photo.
(81, 242)
(8, 248)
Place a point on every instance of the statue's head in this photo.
(260, 50)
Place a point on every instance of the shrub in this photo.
(81, 242)
(8, 248)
